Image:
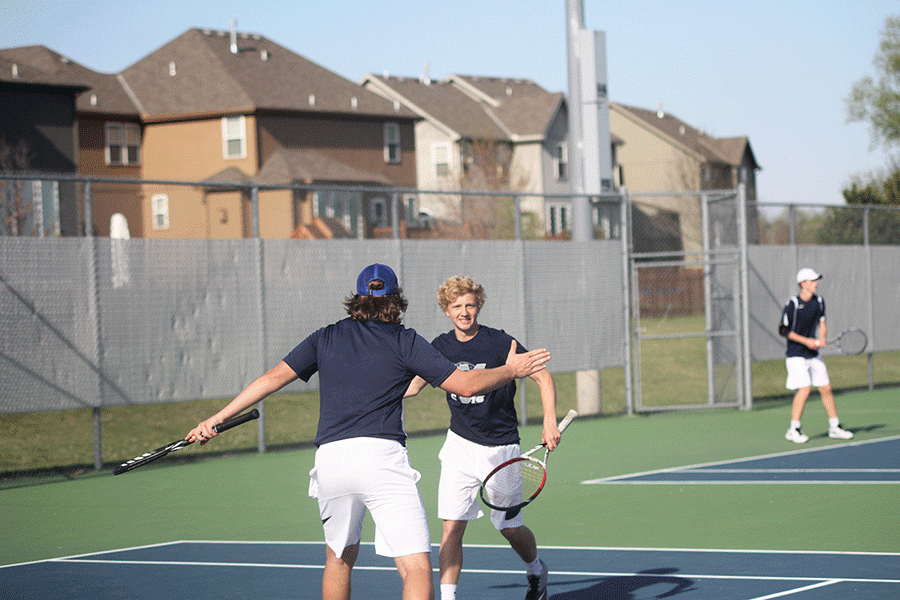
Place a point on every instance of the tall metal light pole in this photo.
(582, 229)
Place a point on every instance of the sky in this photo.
(776, 71)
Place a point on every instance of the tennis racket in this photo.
(149, 457)
(516, 483)
(850, 342)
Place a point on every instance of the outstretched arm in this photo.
(273, 380)
(481, 381)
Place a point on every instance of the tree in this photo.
(16, 209)
(878, 102)
(845, 225)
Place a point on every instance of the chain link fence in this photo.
(91, 322)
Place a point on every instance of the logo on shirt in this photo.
(467, 366)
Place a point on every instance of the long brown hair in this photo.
(388, 308)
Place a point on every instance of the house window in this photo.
(441, 160)
(123, 142)
(160, 207)
(562, 161)
(378, 212)
(343, 206)
(557, 217)
(391, 143)
(234, 137)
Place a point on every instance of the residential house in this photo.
(109, 134)
(38, 133)
(661, 153)
(233, 109)
(485, 133)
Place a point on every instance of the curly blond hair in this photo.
(459, 285)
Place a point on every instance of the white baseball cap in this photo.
(807, 275)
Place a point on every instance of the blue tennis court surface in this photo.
(281, 571)
(871, 461)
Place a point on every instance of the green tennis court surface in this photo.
(696, 537)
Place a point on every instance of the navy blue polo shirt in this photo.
(489, 420)
(364, 369)
(803, 317)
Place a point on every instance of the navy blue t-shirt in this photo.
(490, 419)
(803, 317)
(364, 369)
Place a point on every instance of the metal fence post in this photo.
(395, 216)
(261, 313)
(94, 316)
(625, 222)
(744, 277)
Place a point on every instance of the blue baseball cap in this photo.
(382, 273)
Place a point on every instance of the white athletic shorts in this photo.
(805, 372)
(362, 473)
(464, 465)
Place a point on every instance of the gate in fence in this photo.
(687, 302)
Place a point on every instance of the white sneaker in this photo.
(840, 434)
(796, 436)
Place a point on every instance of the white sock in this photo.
(795, 424)
(534, 567)
(448, 591)
(834, 422)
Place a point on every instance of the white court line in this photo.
(689, 470)
(480, 571)
(798, 590)
(619, 478)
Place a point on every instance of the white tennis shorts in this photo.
(362, 473)
(464, 465)
(805, 372)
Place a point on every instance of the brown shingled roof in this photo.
(722, 150)
(479, 107)
(197, 74)
(300, 164)
(525, 108)
(446, 104)
(104, 93)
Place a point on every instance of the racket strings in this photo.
(852, 342)
(514, 483)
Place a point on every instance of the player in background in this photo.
(365, 364)
(483, 433)
(803, 324)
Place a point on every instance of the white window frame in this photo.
(441, 165)
(561, 162)
(126, 137)
(391, 142)
(559, 217)
(159, 206)
(238, 136)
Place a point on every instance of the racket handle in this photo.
(566, 420)
(235, 421)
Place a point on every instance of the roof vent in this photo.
(426, 78)
(659, 112)
(172, 70)
(681, 130)
(264, 55)
(312, 99)
(93, 99)
(15, 70)
(354, 102)
(234, 48)
(508, 91)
